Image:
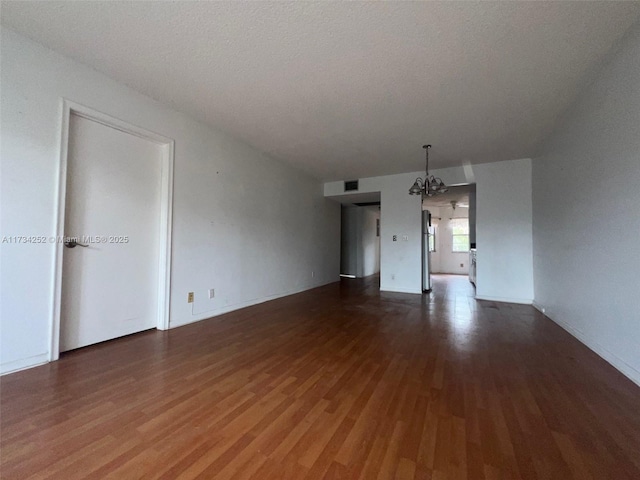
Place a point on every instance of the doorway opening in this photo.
(452, 233)
(360, 235)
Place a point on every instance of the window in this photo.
(432, 238)
(460, 231)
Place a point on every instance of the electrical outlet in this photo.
(190, 297)
(212, 293)
(462, 264)
(395, 238)
(405, 238)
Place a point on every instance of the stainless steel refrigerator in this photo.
(426, 254)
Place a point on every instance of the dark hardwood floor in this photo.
(338, 382)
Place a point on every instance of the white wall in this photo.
(503, 232)
(444, 259)
(586, 204)
(244, 224)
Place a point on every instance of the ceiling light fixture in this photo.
(431, 185)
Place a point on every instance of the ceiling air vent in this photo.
(350, 185)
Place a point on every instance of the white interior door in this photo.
(110, 287)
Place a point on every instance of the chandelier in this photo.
(431, 185)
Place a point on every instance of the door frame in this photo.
(69, 107)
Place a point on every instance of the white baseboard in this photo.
(521, 301)
(24, 363)
(237, 306)
(538, 307)
(400, 290)
(611, 358)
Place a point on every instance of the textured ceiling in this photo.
(459, 194)
(346, 90)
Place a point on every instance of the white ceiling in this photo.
(458, 194)
(347, 90)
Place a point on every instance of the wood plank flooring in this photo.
(339, 382)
